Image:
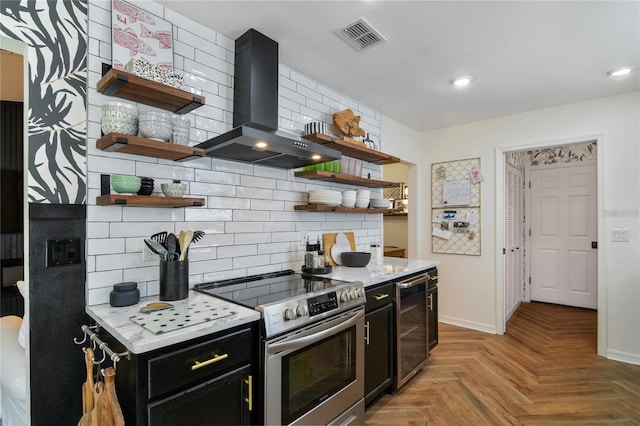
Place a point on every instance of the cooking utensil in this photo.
(87, 386)
(197, 236)
(172, 247)
(160, 237)
(157, 248)
(188, 237)
(109, 411)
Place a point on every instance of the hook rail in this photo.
(102, 345)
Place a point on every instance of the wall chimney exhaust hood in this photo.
(255, 137)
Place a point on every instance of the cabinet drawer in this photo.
(379, 296)
(186, 366)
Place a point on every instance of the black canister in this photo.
(124, 294)
(174, 279)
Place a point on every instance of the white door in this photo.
(512, 244)
(563, 227)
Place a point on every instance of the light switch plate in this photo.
(619, 234)
(147, 254)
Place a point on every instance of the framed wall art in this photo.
(136, 33)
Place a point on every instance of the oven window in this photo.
(314, 373)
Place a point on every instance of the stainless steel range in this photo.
(312, 346)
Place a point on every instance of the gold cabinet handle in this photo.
(249, 399)
(215, 358)
(381, 296)
(366, 334)
(434, 278)
(431, 302)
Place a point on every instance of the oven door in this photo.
(314, 374)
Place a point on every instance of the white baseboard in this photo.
(486, 328)
(623, 356)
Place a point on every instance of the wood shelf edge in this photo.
(349, 148)
(148, 201)
(188, 101)
(342, 178)
(116, 142)
(339, 209)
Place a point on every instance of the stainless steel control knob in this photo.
(290, 314)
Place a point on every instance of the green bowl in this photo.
(125, 184)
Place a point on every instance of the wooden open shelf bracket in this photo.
(137, 89)
(352, 149)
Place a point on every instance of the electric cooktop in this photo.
(287, 299)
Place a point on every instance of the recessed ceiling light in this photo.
(620, 72)
(462, 81)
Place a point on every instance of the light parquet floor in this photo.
(543, 371)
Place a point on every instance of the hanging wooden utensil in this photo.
(109, 411)
(87, 387)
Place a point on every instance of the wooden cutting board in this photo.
(329, 240)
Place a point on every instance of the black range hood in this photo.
(254, 138)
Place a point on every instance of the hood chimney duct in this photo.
(255, 93)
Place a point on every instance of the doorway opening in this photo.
(395, 224)
(548, 226)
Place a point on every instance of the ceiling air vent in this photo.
(360, 35)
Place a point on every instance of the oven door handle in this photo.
(301, 342)
(420, 279)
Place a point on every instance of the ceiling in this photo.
(523, 55)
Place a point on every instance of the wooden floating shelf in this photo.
(325, 208)
(116, 142)
(353, 149)
(341, 178)
(148, 201)
(129, 86)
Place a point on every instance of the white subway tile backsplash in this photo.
(249, 219)
(144, 274)
(185, 50)
(97, 246)
(207, 215)
(243, 227)
(104, 279)
(250, 216)
(237, 250)
(97, 230)
(283, 247)
(249, 261)
(292, 95)
(256, 238)
(151, 214)
(303, 80)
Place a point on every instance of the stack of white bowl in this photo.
(362, 198)
(379, 203)
(348, 198)
(325, 197)
(119, 117)
(180, 129)
(155, 125)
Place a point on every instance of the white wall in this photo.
(469, 283)
(406, 144)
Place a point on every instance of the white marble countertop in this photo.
(117, 321)
(392, 268)
(136, 338)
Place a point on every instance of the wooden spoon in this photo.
(188, 236)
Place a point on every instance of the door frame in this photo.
(499, 201)
(21, 48)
